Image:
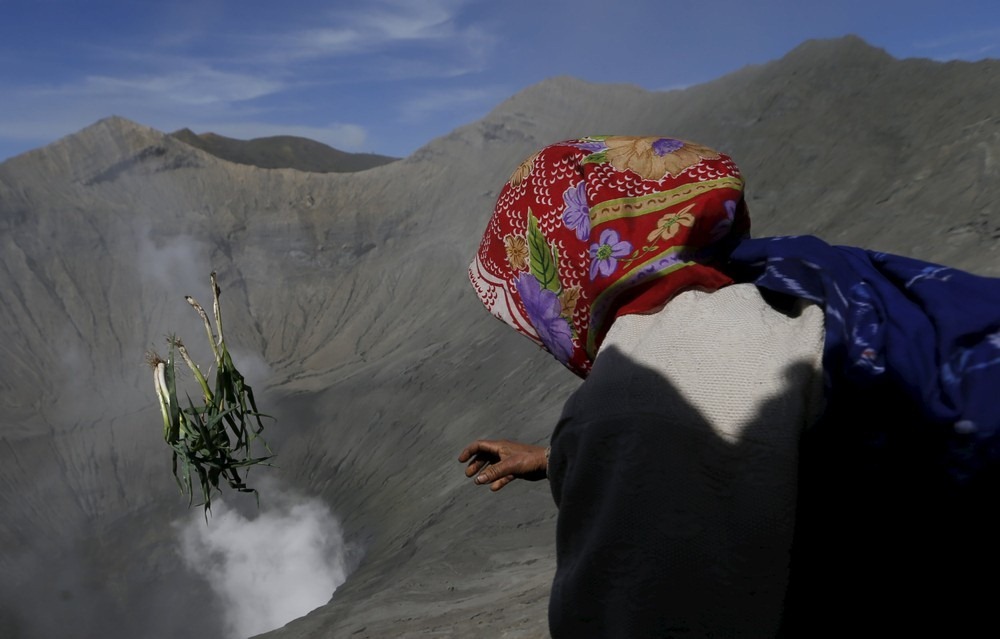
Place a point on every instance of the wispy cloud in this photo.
(179, 97)
(378, 27)
(202, 99)
(968, 45)
(245, 78)
(198, 86)
(399, 20)
(448, 100)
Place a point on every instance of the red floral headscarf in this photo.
(587, 230)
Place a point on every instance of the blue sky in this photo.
(387, 76)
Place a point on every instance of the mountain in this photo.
(346, 298)
(282, 152)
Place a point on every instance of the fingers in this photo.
(500, 483)
(497, 476)
(495, 462)
(466, 453)
(493, 473)
(482, 453)
(475, 466)
(478, 447)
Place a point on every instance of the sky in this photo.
(388, 76)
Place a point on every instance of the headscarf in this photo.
(587, 230)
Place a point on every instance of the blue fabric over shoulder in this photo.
(930, 330)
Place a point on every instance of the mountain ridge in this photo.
(282, 152)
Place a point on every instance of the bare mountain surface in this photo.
(347, 296)
(282, 152)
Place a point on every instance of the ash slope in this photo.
(348, 291)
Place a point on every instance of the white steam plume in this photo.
(269, 568)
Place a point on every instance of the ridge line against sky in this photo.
(387, 76)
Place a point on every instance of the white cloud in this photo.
(447, 101)
(378, 27)
(319, 42)
(269, 568)
(969, 54)
(411, 21)
(969, 45)
(196, 86)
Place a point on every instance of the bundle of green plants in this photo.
(216, 439)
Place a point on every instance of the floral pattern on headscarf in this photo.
(590, 229)
(653, 158)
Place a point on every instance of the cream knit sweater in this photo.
(752, 375)
(734, 357)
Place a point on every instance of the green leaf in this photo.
(596, 158)
(542, 257)
(202, 436)
(173, 407)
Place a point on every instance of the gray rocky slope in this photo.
(346, 295)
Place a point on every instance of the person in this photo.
(773, 437)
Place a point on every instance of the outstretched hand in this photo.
(499, 462)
